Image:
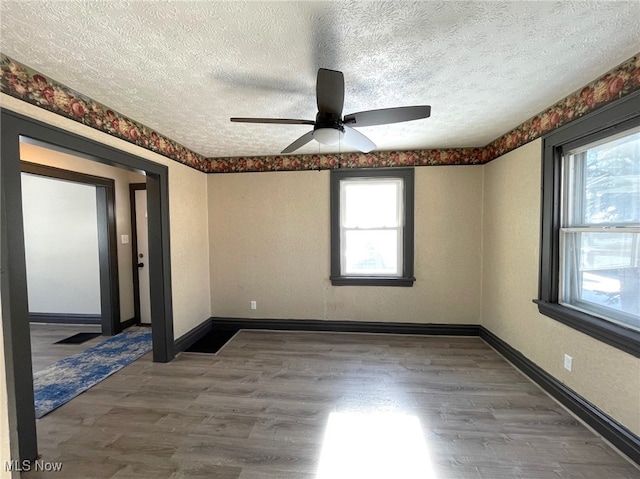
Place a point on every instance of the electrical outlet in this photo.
(568, 362)
(254, 305)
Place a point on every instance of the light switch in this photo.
(125, 239)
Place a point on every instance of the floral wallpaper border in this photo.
(619, 82)
(26, 84)
(376, 159)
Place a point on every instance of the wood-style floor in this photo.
(398, 407)
(43, 336)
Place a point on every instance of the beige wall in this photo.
(604, 375)
(265, 237)
(122, 178)
(270, 243)
(187, 217)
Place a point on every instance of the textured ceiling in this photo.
(184, 68)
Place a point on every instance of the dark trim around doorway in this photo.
(133, 187)
(107, 237)
(15, 315)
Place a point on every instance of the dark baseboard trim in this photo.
(65, 318)
(345, 326)
(185, 341)
(128, 323)
(621, 437)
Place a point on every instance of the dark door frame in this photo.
(133, 187)
(107, 238)
(13, 284)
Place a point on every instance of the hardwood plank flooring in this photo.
(266, 404)
(43, 336)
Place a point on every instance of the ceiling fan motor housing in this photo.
(328, 120)
(328, 129)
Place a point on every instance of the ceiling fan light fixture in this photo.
(332, 127)
(328, 136)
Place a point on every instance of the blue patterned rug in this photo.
(64, 380)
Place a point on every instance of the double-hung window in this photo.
(590, 248)
(600, 232)
(372, 227)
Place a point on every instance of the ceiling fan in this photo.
(330, 127)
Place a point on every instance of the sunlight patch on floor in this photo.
(376, 445)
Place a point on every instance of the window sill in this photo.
(613, 334)
(371, 281)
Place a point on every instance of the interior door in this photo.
(142, 246)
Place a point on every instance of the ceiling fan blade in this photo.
(387, 115)
(300, 142)
(330, 92)
(283, 121)
(357, 140)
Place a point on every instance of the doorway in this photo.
(140, 256)
(13, 272)
(59, 257)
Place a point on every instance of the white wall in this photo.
(61, 246)
(121, 179)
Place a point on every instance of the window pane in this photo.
(606, 182)
(601, 273)
(371, 252)
(371, 203)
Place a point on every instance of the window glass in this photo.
(600, 233)
(371, 233)
(605, 181)
(600, 275)
(371, 203)
(372, 227)
(371, 252)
